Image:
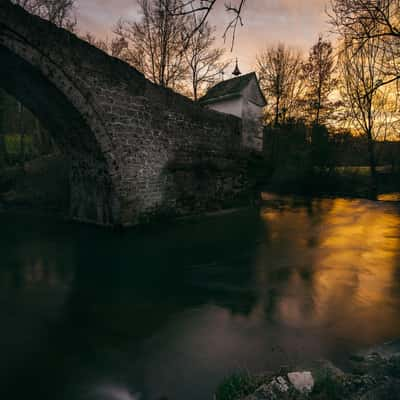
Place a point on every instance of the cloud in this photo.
(294, 22)
(99, 16)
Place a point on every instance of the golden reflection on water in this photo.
(389, 197)
(347, 281)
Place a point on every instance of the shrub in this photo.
(236, 386)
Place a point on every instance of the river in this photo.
(169, 310)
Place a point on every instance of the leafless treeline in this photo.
(173, 44)
(297, 88)
(59, 12)
(369, 56)
(171, 48)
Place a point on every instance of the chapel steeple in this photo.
(236, 71)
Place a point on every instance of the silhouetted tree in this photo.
(155, 44)
(201, 10)
(371, 21)
(203, 59)
(114, 47)
(364, 97)
(279, 69)
(318, 75)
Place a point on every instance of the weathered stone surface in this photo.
(137, 150)
(302, 381)
(277, 388)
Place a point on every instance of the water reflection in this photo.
(345, 279)
(389, 197)
(169, 312)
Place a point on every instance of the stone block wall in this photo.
(137, 149)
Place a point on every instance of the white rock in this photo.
(302, 381)
(273, 389)
(281, 384)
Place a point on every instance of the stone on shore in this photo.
(302, 381)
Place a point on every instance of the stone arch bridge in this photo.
(136, 149)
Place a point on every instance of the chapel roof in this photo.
(228, 89)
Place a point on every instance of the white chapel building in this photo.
(240, 96)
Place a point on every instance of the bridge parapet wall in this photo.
(137, 149)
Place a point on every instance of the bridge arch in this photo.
(42, 84)
(137, 150)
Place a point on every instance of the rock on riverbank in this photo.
(374, 375)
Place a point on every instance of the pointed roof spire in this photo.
(236, 71)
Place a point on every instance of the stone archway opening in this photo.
(34, 173)
(90, 189)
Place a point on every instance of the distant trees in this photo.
(364, 98)
(59, 12)
(369, 56)
(319, 80)
(297, 89)
(114, 47)
(280, 70)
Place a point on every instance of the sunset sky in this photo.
(295, 22)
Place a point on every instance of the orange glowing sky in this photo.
(294, 22)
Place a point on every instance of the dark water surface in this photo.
(170, 310)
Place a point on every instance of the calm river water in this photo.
(170, 310)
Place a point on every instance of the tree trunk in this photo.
(372, 166)
(194, 90)
(277, 111)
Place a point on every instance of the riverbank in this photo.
(372, 375)
(43, 185)
(339, 182)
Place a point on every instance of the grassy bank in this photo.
(373, 376)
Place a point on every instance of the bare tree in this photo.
(114, 47)
(365, 98)
(155, 43)
(363, 21)
(201, 10)
(101, 44)
(203, 59)
(59, 12)
(318, 74)
(279, 69)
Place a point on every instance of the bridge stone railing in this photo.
(136, 149)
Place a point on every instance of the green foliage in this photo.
(13, 144)
(328, 387)
(236, 386)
